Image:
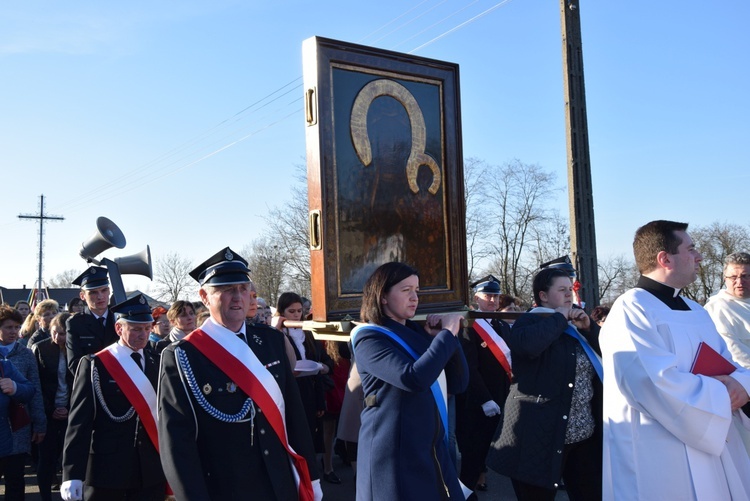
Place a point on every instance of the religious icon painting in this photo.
(385, 174)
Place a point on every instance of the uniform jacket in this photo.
(206, 458)
(24, 393)
(86, 336)
(47, 356)
(105, 453)
(530, 446)
(24, 361)
(402, 452)
(487, 381)
(487, 378)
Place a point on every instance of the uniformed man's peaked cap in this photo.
(135, 309)
(487, 285)
(226, 267)
(563, 263)
(93, 278)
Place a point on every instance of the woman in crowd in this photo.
(56, 383)
(339, 353)
(29, 326)
(23, 308)
(161, 326)
(310, 381)
(12, 385)
(76, 305)
(44, 312)
(552, 425)
(403, 441)
(264, 312)
(599, 314)
(182, 317)
(12, 466)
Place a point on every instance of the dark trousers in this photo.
(581, 471)
(474, 442)
(12, 468)
(49, 456)
(154, 493)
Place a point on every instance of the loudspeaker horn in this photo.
(107, 235)
(137, 264)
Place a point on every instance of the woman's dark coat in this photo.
(530, 446)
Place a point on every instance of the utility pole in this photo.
(580, 192)
(42, 217)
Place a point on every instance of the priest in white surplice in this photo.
(668, 433)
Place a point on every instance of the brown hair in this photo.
(60, 321)
(653, 238)
(505, 300)
(377, 286)
(177, 308)
(8, 313)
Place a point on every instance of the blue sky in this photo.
(145, 112)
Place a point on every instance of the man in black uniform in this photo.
(229, 415)
(92, 330)
(478, 410)
(110, 451)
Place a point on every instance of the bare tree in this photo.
(268, 264)
(288, 230)
(715, 242)
(616, 275)
(171, 278)
(475, 174)
(518, 198)
(64, 279)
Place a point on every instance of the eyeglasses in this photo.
(742, 277)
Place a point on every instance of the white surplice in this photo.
(668, 433)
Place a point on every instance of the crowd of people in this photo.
(227, 397)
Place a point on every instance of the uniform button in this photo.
(259, 410)
(262, 431)
(559, 451)
(570, 385)
(265, 452)
(565, 417)
(276, 376)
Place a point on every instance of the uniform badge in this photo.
(143, 300)
(231, 387)
(228, 255)
(207, 388)
(257, 339)
(483, 345)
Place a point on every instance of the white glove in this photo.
(72, 490)
(317, 491)
(491, 408)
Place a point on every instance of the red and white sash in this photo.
(134, 385)
(235, 358)
(495, 343)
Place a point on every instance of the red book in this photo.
(709, 363)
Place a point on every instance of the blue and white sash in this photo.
(437, 392)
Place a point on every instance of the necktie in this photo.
(103, 321)
(242, 337)
(137, 358)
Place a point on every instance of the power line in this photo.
(130, 179)
(437, 23)
(456, 28)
